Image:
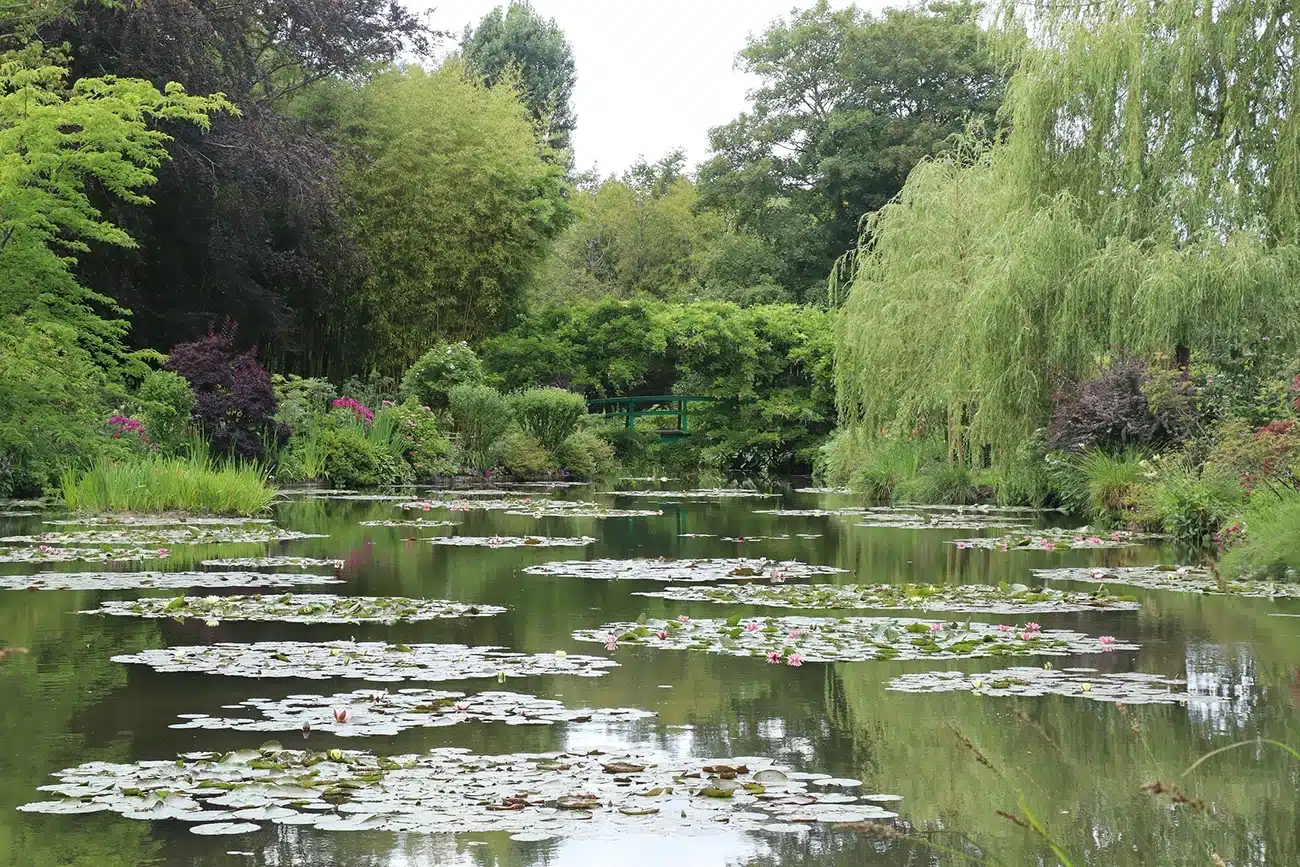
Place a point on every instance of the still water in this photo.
(1077, 766)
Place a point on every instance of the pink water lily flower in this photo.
(751, 627)
(777, 577)
(1116, 536)
(1078, 539)
(682, 618)
(963, 544)
(340, 714)
(1106, 642)
(611, 642)
(796, 634)
(774, 657)
(661, 635)
(1033, 627)
(462, 706)
(1094, 540)
(163, 552)
(1025, 636)
(427, 507)
(935, 627)
(794, 660)
(1098, 574)
(44, 549)
(1002, 627)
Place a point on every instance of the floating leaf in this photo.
(52, 554)
(1129, 687)
(514, 541)
(160, 580)
(153, 535)
(410, 522)
(680, 570)
(1056, 539)
(274, 562)
(699, 494)
(299, 608)
(984, 598)
(1180, 579)
(366, 660)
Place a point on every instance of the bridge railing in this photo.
(654, 406)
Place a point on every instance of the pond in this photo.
(703, 712)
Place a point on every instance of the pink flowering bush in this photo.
(362, 412)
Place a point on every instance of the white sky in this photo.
(652, 74)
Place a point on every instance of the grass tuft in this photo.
(154, 484)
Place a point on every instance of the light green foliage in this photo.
(769, 367)
(61, 363)
(586, 455)
(427, 448)
(517, 43)
(879, 464)
(549, 414)
(1270, 541)
(168, 402)
(941, 482)
(438, 371)
(154, 484)
(455, 205)
(847, 104)
(645, 234)
(522, 455)
(301, 401)
(1264, 457)
(348, 457)
(1100, 485)
(1188, 503)
(480, 415)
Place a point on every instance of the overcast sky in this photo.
(652, 74)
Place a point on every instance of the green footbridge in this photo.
(657, 406)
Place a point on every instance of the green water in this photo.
(1078, 764)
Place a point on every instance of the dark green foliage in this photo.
(519, 43)
(426, 447)
(438, 371)
(550, 415)
(350, 459)
(301, 401)
(168, 405)
(768, 366)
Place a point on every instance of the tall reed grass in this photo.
(156, 484)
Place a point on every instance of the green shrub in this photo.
(1269, 540)
(168, 402)
(480, 415)
(1191, 506)
(384, 434)
(348, 458)
(940, 482)
(301, 401)
(427, 448)
(158, 484)
(438, 371)
(549, 414)
(631, 446)
(522, 454)
(878, 465)
(1100, 485)
(586, 455)
(1265, 455)
(1021, 478)
(372, 389)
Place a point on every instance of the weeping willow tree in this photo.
(1143, 201)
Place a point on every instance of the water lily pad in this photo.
(369, 712)
(838, 491)
(984, 598)
(54, 554)
(730, 569)
(1056, 540)
(222, 828)
(274, 562)
(1180, 579)
(410, 522)
(147, 580)
(514, 541)
(364, 660)
(449, 790)
(153, 535)
(798, 640)
(700, 494)
(846, 512)
(553, 485)
(1123, 687)
(165, 520)
(297, 608)
(361, 498)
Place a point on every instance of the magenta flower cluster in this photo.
(362, 411)
(122, 424)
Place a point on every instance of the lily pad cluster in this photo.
(410, 522)
(836, 491)
(500, 503)
(1180, 579)
(364, 660)
(151, 580)
(1123, 687)
(368, 712)
(513, 541)
(700, 494)
(577, 509)
(358, 497)
(980, 598)
(729, 569)
(447, 790)
(274, 562)
(552, 485)
(150, 535)
(296, 608)
(846, 512)
(1055, 540)
(56, 554)
(173, 520)
(918, 520)
(797, 640)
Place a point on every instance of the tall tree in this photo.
(247, 220)
(848, 104)
(455, 207)
(517, 42)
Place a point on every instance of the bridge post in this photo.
(682, 424)
(628, 413)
